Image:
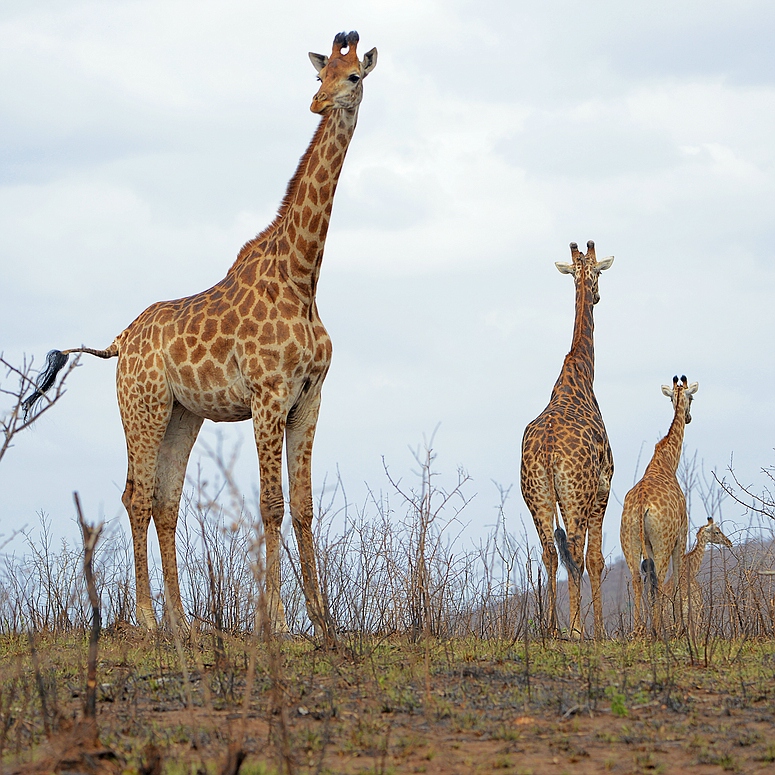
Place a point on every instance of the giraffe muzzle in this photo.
(321, 102)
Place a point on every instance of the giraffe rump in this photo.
(566, 558)
(56, 360)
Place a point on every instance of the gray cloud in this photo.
(141, 147)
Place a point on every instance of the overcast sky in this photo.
(142, 143)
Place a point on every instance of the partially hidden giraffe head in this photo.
(713, 534)
(585, 267)
(341, 75)
(682, 393)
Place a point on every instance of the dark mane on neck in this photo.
(290, 193)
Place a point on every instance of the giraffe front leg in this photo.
(268, 427)
(300, 433)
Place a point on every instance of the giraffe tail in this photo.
(56, 360)
(647, 567)
(649, 570)
(561, 539)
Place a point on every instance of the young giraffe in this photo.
(690, 599)
(654, 521)
(566, 457)
(252, 346)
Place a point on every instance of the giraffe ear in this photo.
(369, 61)
(693, 388)
(668, 391)
(604, 264)
(564, 268)
(319, 61)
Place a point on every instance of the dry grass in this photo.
(473, 704)
(444, 666)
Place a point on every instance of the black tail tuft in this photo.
(649, 570)
(55, 362)
(565, 556)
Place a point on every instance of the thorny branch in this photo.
(763, 504)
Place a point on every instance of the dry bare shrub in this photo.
(42, 588)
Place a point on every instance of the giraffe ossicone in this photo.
(567, 460)
(251, 347)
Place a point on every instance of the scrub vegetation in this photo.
(443, 662)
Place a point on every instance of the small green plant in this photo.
(618, 702)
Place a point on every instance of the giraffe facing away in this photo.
(252, 346)
(654, 520)
(567, 460)
(690, 598)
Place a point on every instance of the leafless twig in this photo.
(13, 420)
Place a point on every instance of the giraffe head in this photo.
(341, 75)
(585, 267)
(682, 393)
(713, 534)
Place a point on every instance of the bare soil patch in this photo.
(458, 706)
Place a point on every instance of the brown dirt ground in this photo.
(397, 713)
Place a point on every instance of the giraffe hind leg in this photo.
(595, 563)
(543, 519)
(561, 540)
(174, 452)
(649, 571)
(142, 451)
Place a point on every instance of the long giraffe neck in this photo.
(667, 453)
(693, 559)
(297, 236)
(578, 369)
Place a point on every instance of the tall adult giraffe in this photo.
(654, 520)
(567, 460)
(252, 346)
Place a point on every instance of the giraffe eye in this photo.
(319, 79)
(354, 78)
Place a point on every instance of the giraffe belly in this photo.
(222, 405)
(233, 399)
